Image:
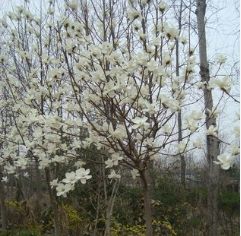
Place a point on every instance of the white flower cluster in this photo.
(226, 159)
(71, 178)
(73, 89)
(223, 83)
(193, 120)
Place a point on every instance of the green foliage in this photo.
(20, 232)
(70, 217)
(72, 214)
(197, 195)
(128, 206)
(171, 207)
(22, 215)
(125, 230)
(169, 192)
(162, 228)
(177, 211)
(173, 215)
(229, 202)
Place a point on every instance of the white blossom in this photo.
(170, 32)
(133, 14)
(5, 179)
(79, 164)
(212, 131)
(182, 146)
(225, 160)
(198, 143)
(200, 85)
(113, 175)
(10, 169)
(237, 131)
(70, 178)
(192, 125)
(221, 59)
(224, 83)
(26, 174)
(234, 149)
(162, 6)
(22, 163)
(63, 189)
(166, 129)
(196, 115)
(134, 173)
(140, 123)
(54, 183)
(83, 175)
(214, 113)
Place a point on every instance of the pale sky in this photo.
(223, 31)
(222, 28)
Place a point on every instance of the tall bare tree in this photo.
(211, 141)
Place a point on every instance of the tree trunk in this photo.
(38, 192)
(109, 208)
(109, 202)
(54, 205)
(179, 116)
(97, 211)
(147, 203)
(3, 206)
(212, 142)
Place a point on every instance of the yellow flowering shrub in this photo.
(123, 230)
(71, 216)
(161, 228)
(23, 215)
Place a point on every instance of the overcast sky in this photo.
(222, 28)
(223, 36)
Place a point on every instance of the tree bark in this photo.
(109, 202)
(179, 116)
(54, 205)
(3, 206)
(109, 208)
(147, 203)
(37, 194)
(211, 141)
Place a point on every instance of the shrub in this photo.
(124, 230)
(19, 232)
(229, 202)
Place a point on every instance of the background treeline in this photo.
(177, 211)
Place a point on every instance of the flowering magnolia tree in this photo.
(98, 74)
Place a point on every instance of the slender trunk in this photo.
(182, 157)
(23, 187)
(110, 206)
(38, 188)
(57, 231)
(3, 206)
(109, 203)
(212, 142)
(97, 212)
(107, 224)
(212, 199)
(147, 203)
(179, 117)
